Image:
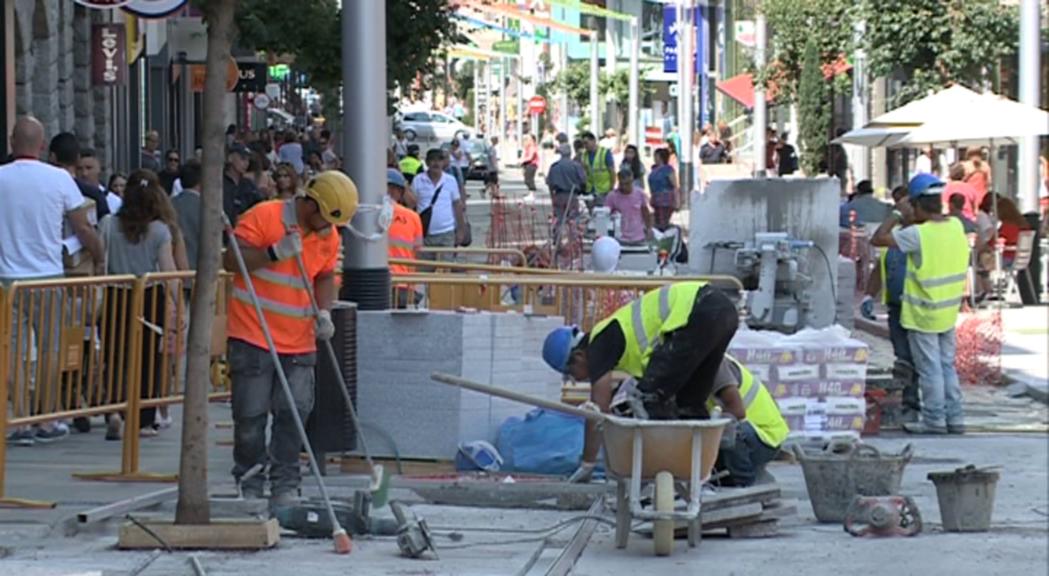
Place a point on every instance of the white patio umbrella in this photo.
(990, 120)
(890, 128)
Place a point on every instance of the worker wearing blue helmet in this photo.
(671, 341)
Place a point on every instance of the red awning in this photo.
(741, 87)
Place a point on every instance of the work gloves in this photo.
(583, 474)
(287, 247)
(324, 327)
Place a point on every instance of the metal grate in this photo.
(329, 427)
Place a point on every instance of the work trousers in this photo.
(901, 348)
(683, 365)
(257, 393)
(529, 176)
(941, 390)
(746, 459)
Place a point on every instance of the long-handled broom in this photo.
(342, 541)
(380, 482)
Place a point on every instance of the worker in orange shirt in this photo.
(271, 236)
(405, 235)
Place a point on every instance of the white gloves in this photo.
(324, 327)
(287, 247)
(583, 474)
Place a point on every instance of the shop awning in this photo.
(741, 87)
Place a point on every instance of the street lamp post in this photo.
(595, 105)
(634, 122)
(760, 120)
(367, 277)
(1030, 54)
(685, 68)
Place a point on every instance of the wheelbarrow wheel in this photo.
(663, 530)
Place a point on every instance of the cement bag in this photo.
(544, 442)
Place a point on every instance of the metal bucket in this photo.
(966, 498)
(842, 471)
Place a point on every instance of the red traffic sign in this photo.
(536, 104)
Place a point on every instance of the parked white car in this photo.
(432, 127)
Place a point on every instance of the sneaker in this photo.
(956, 429)
(82, 424)
(148, 432)
(56, 432)
(923, 428)
(23, 437)
(164, 422)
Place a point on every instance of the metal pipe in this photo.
(686, 68)
(520, 103)
(860, 97)
(1030, 54)
(364, 112)
(633, 111)
(595, 104)
(565, 126)
(501, 128)
(517, 397)
(760, 119)
(589, 281)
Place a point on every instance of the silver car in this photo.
(432, 127)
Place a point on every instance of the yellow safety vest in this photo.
(933, 293)
(598, 175)
(761, 408)
(410, 165)
(645, 320)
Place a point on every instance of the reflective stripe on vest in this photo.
(402, 244)
(760, 408)
(932, 293)
(598, 176)
(289, 280)
(646, 319)
(272, 305)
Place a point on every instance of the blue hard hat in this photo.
(923, 184)
(394, 177)
(558, 346)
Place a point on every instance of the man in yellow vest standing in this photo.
(760, 428)
(599, 166)
(671, 341)
(937, 260)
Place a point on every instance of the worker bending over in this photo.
(760, 428)
(271, 235)
(670, 340)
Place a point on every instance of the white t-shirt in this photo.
(114, 202)
(36, 198)
(443, 218)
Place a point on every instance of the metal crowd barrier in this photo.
(79, 347)
(582, 299)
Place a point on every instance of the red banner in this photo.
(108, 55)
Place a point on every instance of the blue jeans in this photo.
(746, 459)
(901, 348)
(941, 391)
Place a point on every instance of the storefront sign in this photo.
(154, 8)
(240, 77)
(108, 55)
(103, 4)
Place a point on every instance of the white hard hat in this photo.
(605, 254)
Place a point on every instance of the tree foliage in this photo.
(311, 32)
(575, 81)
(813, 109)
(792, 25)
(935, 43)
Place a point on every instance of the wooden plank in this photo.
(219, 535)
(128, 505)
(565, 561)
(358, 465)
(726, 497)
(765, 529)
(735, 514)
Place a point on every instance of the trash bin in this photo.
(329, 427)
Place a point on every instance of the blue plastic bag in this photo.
(544, 442)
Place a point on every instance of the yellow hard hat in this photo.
(335, 194)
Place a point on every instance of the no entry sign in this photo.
(536, 105)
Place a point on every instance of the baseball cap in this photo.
(394, 177)
(924, 185)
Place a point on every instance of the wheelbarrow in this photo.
(680, 451)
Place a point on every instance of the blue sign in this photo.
(669, 38)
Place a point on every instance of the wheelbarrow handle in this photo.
(517, 397)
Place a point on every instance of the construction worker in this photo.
(937, 261)
(671, 341)
(271, 236)
(599, 166)
(759, 427)
(411, 165)
(405, 234)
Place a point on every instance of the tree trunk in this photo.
(193, 505)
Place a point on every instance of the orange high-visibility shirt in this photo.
(405, 236)
(279, 285)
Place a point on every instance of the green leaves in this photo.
(813, 109)
(792, 24)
